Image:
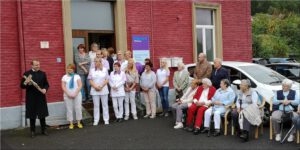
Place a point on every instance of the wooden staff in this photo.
(33, 83)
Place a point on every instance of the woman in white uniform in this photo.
(98, 78)
(116, 81)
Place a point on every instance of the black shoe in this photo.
(120, 120)
(32, 134)
(245, 136)
(196, 131)
(217, 133)
(117, 120)
(45, 133)
(205, 130)
(238, 132)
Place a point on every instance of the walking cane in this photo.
(211, 119)
(290, 131)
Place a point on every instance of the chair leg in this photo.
(298, 137)
(225, 125)
(261, 128)
(232, 128)
(256, 132)
(271, 131)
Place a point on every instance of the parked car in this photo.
(263, 79)
(282, 60)
(261, 61)
(289, 70)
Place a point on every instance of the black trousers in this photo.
(235, 118)
(42, 122)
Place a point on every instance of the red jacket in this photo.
(211, 92)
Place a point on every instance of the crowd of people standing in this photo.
(100, 75)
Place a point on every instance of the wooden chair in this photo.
(271, 128)
(261, 107)
(271, 109)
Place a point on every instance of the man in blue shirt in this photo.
(218, 73)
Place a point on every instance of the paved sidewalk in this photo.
(141, 134)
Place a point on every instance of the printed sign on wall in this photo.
(140, 48)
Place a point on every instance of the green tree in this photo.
(276, 28)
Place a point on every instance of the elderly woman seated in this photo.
(224, 96)
(286, 99)
(200, 103)
(246, 97)
(183, 103)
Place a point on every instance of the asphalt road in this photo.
(141, 134)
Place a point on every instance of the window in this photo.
(205, 32)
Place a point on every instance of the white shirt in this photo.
(67, 78)
(203, 97)
(92, 55)
(105, 64)
(162, 75)
(117, 80)
(98, 77)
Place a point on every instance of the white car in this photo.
(264, 80)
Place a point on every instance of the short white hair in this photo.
(181, 64)
(287, 82)
(218, 60)
(206, 81)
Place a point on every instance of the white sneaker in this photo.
(146, 116)
(106, 123)
(95, 123)
(135, 117)
(152, 116)
(126, 118)
(291, 138)
(278, 137)
(178, 126)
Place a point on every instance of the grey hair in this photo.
(287, 82)
(206, 81)
(181, 64)
(246, 82)
(218, 60)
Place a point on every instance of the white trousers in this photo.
(118, 106)
(217, 117)
(104, 102)
(72, 104)
(130, 97)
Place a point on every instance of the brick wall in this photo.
(42, 21)
(10, 55)
(169, 24)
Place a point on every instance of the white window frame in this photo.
(203, 28)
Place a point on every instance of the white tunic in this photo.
(117, 80)
(162, 75)
(67, 78)
(98, 77)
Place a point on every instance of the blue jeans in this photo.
(85, 83)
(164, 93)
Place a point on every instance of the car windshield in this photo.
(263, 74)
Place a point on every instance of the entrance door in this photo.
(87, 37)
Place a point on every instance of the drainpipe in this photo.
(151, 14)
(22, 59)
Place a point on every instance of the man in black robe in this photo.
(36, 104)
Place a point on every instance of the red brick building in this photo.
(175, 28)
